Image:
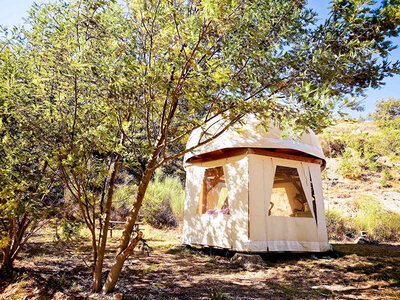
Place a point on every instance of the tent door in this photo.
(290, 215)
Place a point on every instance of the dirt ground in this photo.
(49, 271)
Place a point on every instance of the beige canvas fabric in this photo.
(252, 134)
(251, 223)
(217, 230)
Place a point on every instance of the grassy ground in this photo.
(46, 271)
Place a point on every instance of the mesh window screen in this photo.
(288, 198)
(213, 196)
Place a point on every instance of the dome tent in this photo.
(251, 190)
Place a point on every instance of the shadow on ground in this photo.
(363, 271)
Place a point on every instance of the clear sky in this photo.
(12, 13)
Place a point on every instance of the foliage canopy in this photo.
(103, 84)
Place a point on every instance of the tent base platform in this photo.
(272, 247)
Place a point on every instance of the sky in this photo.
(12, 13)
(392, 84)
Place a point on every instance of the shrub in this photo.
(163, 203)
(158, 214)
(333, 146)
(350, 164)
(70, 230)
(367, 215)
(381, 224)
(122, 201)
(338, 226)
(361, 145)
(386, 174)
(370, 157)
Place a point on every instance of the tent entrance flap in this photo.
(290, 216)
(288, 198)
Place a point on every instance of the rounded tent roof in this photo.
(250, 135)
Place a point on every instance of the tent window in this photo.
(288, 198)
(213, 196)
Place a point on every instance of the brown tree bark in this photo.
(124, 246)
(103, 241)
(16, 243)
(7, 261)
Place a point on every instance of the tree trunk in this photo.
(7, 255)
(103, 241)
(119, 262)
(115, 271)
(7, 261)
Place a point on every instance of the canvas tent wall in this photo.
(251, 190)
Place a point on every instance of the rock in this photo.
(118, 296)
(248, 261)
(61, 296)
(178, 247)
(327, 257)
(360, 240)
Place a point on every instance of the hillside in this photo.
(362, 179)
(381, 183)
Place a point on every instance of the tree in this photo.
(207, 62)
(386, 110)
(116, 85)
(27, 172)
(77, 56)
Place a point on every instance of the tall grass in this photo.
(370, 216)
(163, 203)
(168, 189)
(380, 223)
(339, 225)
(123, 199)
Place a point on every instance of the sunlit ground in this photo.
(47, 269)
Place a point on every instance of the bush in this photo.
(70, 230)
(338, 226)
(162, 205)
(122, 201)
(164, 201)
(370, 216)
(361, 145)
(333, 146)
(350, 164)
(158, 214)
(381, 224)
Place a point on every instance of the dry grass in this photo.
(360, 271)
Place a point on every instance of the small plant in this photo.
(148, 270)
(216, 295)
(384, 182)
(386, 175)
(349, 165)
(386, 178)
(370, 158)
(70, 230)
